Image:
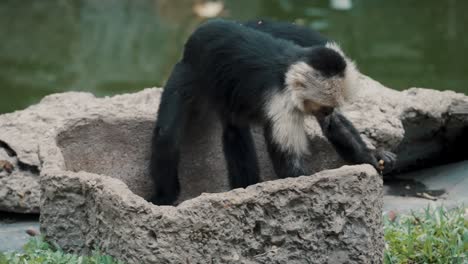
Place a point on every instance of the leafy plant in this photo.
(435, 236)
(37, 251)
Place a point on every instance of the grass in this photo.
(435, 236)
(38, 251)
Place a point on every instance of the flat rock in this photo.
(110, 135)
(449, 182)
(333, 216)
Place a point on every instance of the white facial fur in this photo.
(306, 83)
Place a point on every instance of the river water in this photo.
(115, 46)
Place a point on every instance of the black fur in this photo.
(302, 36)
(241, 159)
(329, 63)
(172, 117)
(234, 68)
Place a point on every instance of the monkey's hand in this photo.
(385, 160)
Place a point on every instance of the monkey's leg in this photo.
(348, 142)
(168, 133)
(286, 163)
(241, 158)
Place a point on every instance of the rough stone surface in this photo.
(24, 132)
(333, 216)
(111, 136)
(19, 188)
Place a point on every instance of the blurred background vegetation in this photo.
(116, 46)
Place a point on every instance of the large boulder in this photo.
(333, 216)
(111, 136)
(24, 136)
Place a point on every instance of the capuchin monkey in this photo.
(270, 74)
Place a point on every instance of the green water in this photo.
(116, 46)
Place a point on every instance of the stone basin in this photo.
(94, 182)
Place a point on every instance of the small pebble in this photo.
(32, 232)
(7, 166)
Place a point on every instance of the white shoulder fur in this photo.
(288, 129)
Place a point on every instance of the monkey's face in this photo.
(312, 92)
(323, 82)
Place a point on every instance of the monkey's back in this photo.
(236, 65)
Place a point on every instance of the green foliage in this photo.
(435, 236)
(38, 251)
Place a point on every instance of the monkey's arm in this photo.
(349, 144)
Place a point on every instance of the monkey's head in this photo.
(321, 80)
